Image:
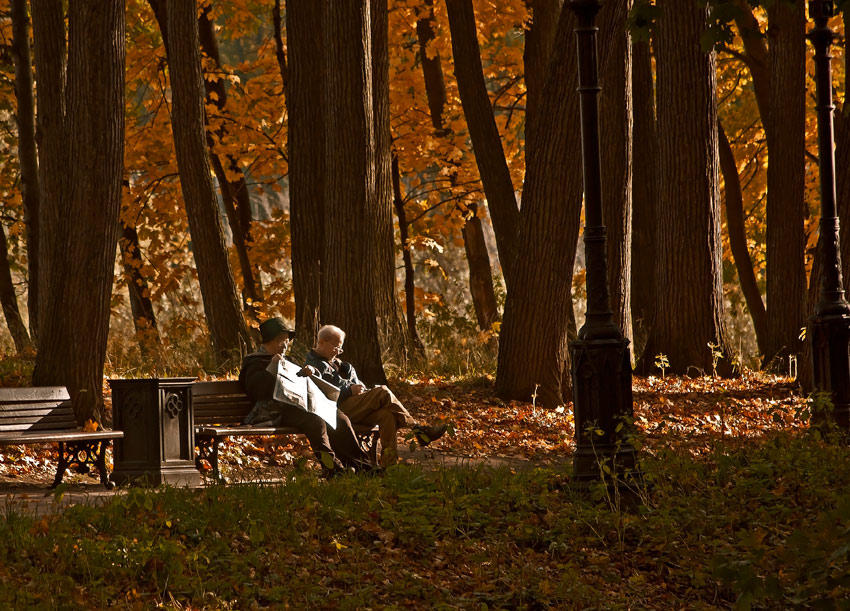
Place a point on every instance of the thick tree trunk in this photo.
(786, 206)
(9, 300)
(81, 127)
(392, 337)
(539, 38)
(690, 297)
(234, 193)
(644, 193)
(348, 285)
(534, 342)
(27, 154)
(144, 318)
(305, 100)
(486, 141)
(734, 200)
(616, 143)
(221, 302)
(481, 286)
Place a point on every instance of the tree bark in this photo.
(644, 195)
(27, 154)
(786, 206)
(348, 285)
(9, 300)
(734, 200)
(616, 143)
(534, 341)
(539, 38)
(481, 287)
(305, 100)
(81, 126)
(486, 141)
(221, 302)
(689, 303)
(392, 336)
(144, 317)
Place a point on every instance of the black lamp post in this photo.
(829, 326)
(601, 361)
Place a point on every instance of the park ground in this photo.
(742, 505)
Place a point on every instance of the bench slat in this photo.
(55, 436)
(34, 394)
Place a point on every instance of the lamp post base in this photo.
(602, 406)
(830, 341)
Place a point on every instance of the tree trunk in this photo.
(392, 335)
(305, 100)
(534, 342)
(9, 300)
(144, 318)
(221, 302)
(481, 286)
(786, 206)
(539, 38)
(616, 142)
(81, 126)
(234, 194)
(235, 197)
(842, 162)
(480, 277)
(27, 154)
(738, 237)
(486, 141)
(644, 194)
(409, 288)
(689, 313)
(348, 285)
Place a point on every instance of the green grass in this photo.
(767, 524)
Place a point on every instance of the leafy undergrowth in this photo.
(765, 524)
(741, 505)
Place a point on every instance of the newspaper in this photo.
(303, 391)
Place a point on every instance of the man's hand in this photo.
(308, 370)
(357, 389)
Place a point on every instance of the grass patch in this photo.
(764, 524)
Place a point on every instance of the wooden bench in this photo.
(220, 407)
(44, 415)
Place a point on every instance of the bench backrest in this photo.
(44, 408)
(219, 402)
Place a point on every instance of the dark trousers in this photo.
(340, 444)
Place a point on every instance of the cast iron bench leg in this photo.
(100, 463)
(60, 468)
(214, 461)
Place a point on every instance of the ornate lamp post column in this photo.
(601, 361)
(829, 326)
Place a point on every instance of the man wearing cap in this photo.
(339, 444)
(364, 405)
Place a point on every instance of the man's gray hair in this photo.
(329, 332)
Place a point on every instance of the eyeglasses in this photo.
(338, 349)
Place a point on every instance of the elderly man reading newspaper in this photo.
(282, 396)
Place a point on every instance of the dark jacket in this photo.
(336, 372)
(257, 382)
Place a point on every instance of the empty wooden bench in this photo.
(220, 407)
(44, 415)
